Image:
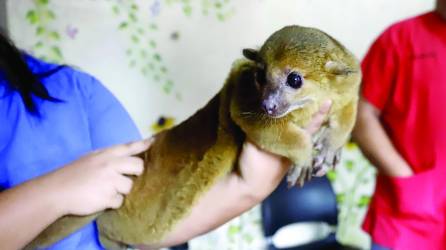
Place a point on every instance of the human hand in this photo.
(98, 180)
(262, 171)
(375, 143)
(318, 118)
(402, 170)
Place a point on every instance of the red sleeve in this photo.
(379, 68)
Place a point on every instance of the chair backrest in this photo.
(315, 201)
(184, 246)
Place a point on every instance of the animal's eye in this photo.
(294, 80)
(261, 76)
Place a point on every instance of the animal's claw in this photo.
(325, 157)
(299, 175)
(305, 176)
(325, 160)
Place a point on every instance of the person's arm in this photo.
(261, 173)
(375, 143)
(25, 211)
(91, 184)
(380, 68)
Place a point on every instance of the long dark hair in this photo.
(19, 77)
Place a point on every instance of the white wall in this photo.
(199, 61)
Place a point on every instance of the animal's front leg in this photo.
(325, 155)
(330, 139)
(291, 142)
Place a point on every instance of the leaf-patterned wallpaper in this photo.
(42, 19)
(164, 59)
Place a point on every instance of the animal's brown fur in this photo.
(185, 161)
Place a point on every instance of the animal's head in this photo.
(293, 64)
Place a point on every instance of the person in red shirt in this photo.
(401, 130)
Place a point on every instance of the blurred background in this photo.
(164, 59)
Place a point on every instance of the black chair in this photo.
(314, 202)
(183, 246)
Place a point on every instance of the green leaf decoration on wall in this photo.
(354, 173)
(331, 175)
(142, 53)
(233, 230)
(364, 200)
(340, 198)
(220, 9)
(47, 45)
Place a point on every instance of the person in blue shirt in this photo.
(67, 146)
(50, 116)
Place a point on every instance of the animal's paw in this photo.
(325, 160)
(324, 157)
(299, 175)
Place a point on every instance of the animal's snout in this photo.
(270, 107)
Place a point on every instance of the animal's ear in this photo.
(338, 68)
(251, 54)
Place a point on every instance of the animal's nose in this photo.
(270, 107)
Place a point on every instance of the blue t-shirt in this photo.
(89, 117)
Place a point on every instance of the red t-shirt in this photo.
(404, 76)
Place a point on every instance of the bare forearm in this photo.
(25, 211)
(231, 196)
(223, 202)
(375, 143)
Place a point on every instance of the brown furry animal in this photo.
(269, 98)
